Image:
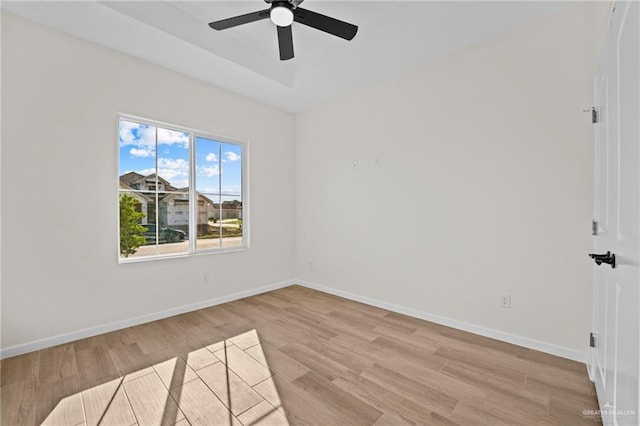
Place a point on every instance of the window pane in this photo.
(173, 160)
(207, 166)
(173, 223)
(231, 221)
(208, 228)
(231, 169)
(137, 144)
(137, 239)
(154, 179)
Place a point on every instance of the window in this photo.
(180, 191)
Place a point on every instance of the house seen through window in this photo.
(180, 191)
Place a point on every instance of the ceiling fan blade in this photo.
(285, 42)
(325, 23)
(223, 24)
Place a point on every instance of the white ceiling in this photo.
(392, 36)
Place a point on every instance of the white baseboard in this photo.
(526, 342)
(118, 325)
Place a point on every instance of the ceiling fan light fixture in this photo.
(282, 16)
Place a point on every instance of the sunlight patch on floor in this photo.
(225, 383)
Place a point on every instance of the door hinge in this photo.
(594, 227)
(592, 340)
(594, 115)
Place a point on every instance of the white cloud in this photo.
(170, 168)
(170, 137)
(146, 172)
(211, 157)
(232, 156)
(143, 135)
(142, 152)
(174, 163)
(180, 183)
(210, 191)
(167, 174)
(139, 135)
(232, 189)
(209, 171)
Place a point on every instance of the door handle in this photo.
(608, 258)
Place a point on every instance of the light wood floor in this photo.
(293, 356)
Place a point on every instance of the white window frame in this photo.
(193, 194)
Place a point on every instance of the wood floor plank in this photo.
(257, 353)
(422, 354)
(199, 358)
(483, 341)
(245, 366)
(389, 327)
(296, 355)
(583, 396)
(559, 377)
(57, 363)
(201, 406)
(516, 407)
(495, 384)
(541, 358)
(20, 368)
(95, 366)
(499, 369)
(315, 361)
(67, 412)
(263, 414)
(107, 404)
(391, 419)
(234, 393)
(561, 412)
(59, 402)
(470, 414)
(174, 372)
(473, 414)
(128, 359)
(380, 396)
(18, 403)
(151, 402)
(275, 336)
(245, 340)
(215, 347)
(348, 407)
(138, 373)
(268, 389)
(421, 393)
(419, 324)
(457, 389)
(277, 361)
(436, 419)
(339, 355)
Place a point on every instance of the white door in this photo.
(615, 359)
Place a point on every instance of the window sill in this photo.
(181, 255)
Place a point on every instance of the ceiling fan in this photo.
(283, 13)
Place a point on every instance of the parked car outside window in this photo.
(165, 235)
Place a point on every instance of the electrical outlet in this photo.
(356, 165)
(505, 300)
(205, 277)
(378, 162)
(310, 265)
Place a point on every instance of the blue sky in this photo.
(218, 164)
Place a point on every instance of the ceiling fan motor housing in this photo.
(281, 13)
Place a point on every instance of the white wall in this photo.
(60, 97)
(485, 184)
